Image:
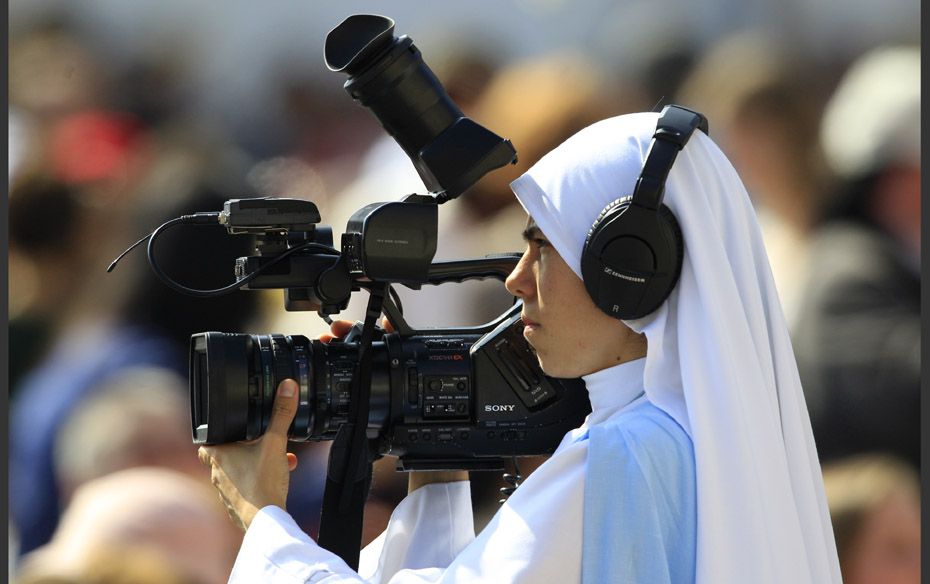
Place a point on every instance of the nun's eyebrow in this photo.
(532, 231)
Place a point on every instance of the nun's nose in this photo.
(520, 282)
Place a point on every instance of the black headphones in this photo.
(632, 255)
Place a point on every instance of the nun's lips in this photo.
(529, 324)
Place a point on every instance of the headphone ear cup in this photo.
(670, 225)
(620, 297)
(666, 214)
(591, 261)
(619, 205)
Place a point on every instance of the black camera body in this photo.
(471, 401)
(454, 399)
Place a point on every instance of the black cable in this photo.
(122, 255)
(208, 218)
(195, 219)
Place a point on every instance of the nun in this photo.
(644, 274)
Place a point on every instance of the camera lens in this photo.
(233, 382)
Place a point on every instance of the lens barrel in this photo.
(234, 376)
(233, 382)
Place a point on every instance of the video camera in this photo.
(459, 398)
(454, 398)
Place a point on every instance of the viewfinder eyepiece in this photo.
(388, 76)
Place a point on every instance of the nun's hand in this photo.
(255, 474)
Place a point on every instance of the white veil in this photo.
(719, 359)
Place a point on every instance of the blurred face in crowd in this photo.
(886, 549)
(571, 336)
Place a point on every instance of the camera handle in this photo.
(348, 476)
(497, 266)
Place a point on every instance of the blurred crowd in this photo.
(105, 486)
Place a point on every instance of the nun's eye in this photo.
(539, 242)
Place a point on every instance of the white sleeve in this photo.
(426, 531)
(535, 537)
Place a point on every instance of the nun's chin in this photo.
(560, 367)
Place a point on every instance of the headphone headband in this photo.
(673, 130)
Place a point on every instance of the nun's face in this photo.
(571, 336)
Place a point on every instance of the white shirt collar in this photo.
(614, 388)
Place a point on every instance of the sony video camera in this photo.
(439, 398)
(456, 398)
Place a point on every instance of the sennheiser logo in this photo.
(499, 408)
(624, 276)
